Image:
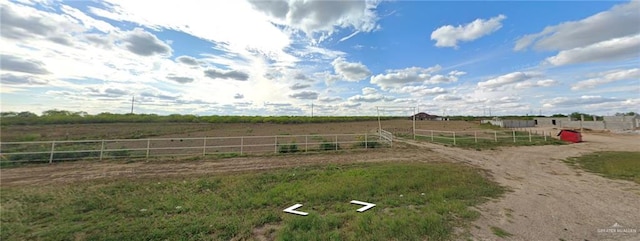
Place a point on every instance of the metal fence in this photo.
(52, 151)
(470, 137)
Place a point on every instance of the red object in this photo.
(570, 136)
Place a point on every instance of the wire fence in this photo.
(471, 138)
(54, 151)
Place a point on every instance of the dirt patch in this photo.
(265, 232)
(145, 130)
(550, 200)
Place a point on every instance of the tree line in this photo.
(81, 117)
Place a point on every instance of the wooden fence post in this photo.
(366, 142)
(431, 135)
(101, 150)
(529, 135)
(148, 146)
(204, 146)
(336, 142)
(241, 145)
(475, 136)
(306, 143)
(495, 136)
(514, 135)
(275, 149)
(454, 138)
(53, 147)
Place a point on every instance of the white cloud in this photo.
(503, 80)
(619, 21)
(419, 90)
(539, 83)
(577, 103)
(608, 77)
(329, 99)
(447, 98)
(250, 35)
(614, 49)
(370, 95)
(226, 74)
(305, 95)
(449, 35)
(322, 17)
(457, 73)
(350, 71)
(399, 77)
(299, 86)
(349, 36)
(143, 43)
(17, 64)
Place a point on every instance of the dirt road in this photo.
(548, 200)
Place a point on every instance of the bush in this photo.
(368, 144)
(288, 148)
(327, 146)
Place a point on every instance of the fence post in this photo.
(53, 147)
(454, 138)
(148, 146)
(529, 135)
(101, 150)
(241, 145)
(431, 135)
(495, 136)
(366, 143)
(336, 142)
(204, 146)
(544, 133)
(306, 143)
(514, 135)
(475, 136)
(275, 148)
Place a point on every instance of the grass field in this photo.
(469, 142)
(618, 165)
(415, 201)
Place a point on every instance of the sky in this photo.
(290, 57)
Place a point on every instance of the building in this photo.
(550, 121)
(425, 116)
(615, 123)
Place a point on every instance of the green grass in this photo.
(469, 142)
(618, 165)
(500, 232)
(415, 201)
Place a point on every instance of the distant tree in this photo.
(558, 115)
(8, 114)
(27, 114)
(56, 112)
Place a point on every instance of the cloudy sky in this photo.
(278, 57)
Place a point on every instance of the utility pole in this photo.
(132, 99)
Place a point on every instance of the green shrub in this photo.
(368, 144)
(288, 148)
(327, 146)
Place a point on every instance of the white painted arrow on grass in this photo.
(292, 210)
(366, 207)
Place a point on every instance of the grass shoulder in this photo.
(415, 201)
(611, 164)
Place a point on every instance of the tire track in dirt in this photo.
(550, 200)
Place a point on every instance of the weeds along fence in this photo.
(471, 138)
(53, 151)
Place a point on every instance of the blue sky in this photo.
(346, 57)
